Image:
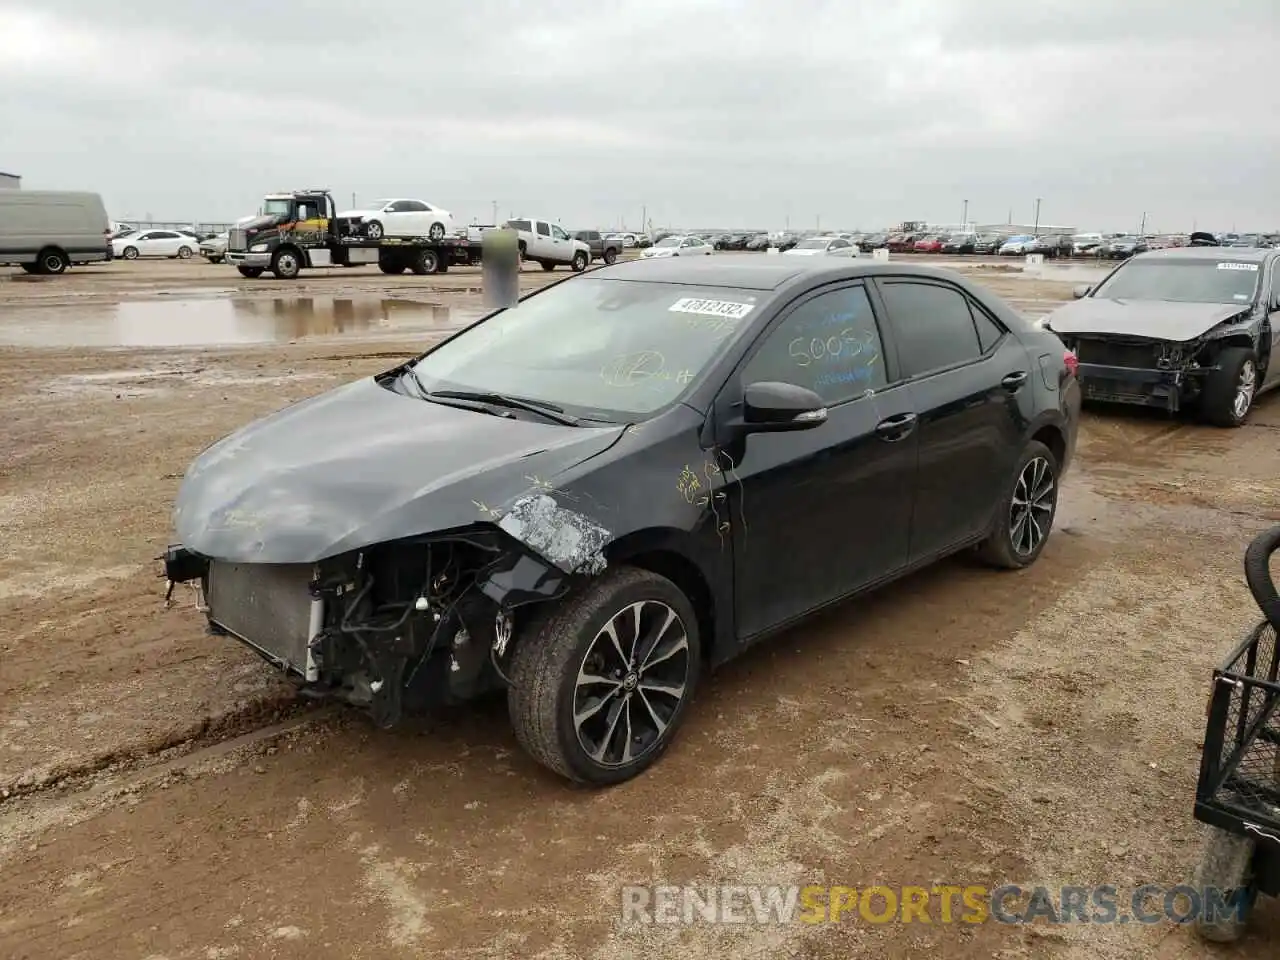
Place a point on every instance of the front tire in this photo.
(1226, 863)
(600, 686)
(547, 265)
(1230, 389)
(580, 261)
(253, 273)
(1025, 516)
(286, 265)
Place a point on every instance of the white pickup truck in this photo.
(549, 244)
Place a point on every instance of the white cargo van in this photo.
(45, 231)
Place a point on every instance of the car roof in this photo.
(1237, 254)
(750, 273)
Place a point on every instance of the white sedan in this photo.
(823, 247)
(154, 243)
(1016, 246)
(402, 218)
(679, 247)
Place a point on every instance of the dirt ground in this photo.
(161, 796)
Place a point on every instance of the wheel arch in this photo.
(666, 552)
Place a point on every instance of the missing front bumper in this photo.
(1162, 389)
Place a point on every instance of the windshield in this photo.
(1183, 281)
(602, 349)
(278, 207)
(812, 244)
(669, 242)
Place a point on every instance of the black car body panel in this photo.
(1160, 353)
(497, 508)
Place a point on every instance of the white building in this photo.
(11, 180)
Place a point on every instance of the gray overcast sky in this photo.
(708, 112)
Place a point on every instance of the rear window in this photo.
(519, 224)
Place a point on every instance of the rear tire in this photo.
(547, 265)
(52, 261)
(1226, 864)
(130, 253)
(610, 256)
(184, 253)
(436, 232)
(373, 230)
(1229, 391)
(30, 268)
(574, 727)
(425, 261)
(1025, 516)
(253, 273)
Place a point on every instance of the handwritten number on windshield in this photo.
(646, 366)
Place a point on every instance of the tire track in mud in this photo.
(182, 743)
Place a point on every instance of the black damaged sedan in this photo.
(593, 497)
(1189, 328)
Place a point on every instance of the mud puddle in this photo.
(203, 321)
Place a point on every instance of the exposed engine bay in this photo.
(1171, 375)
(394, 627)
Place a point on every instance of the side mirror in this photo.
(773, 407)
(1080, 290)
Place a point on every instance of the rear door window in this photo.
(543, 229)
(932, 324)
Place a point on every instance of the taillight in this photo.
(1072, 362)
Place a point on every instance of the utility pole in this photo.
(817, 222)
(495, 212)
(1142, 227)
(1035, 230)
(353, 201)
(964, 218)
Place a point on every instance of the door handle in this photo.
(896, 428)
(1014, 381)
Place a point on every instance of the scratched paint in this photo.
(571, 541)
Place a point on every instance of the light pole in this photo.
(1035, 229)
(1142, 228)
(495, 212)
(964, 218)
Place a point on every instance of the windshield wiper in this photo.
(541, 407)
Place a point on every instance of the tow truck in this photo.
(300, 228)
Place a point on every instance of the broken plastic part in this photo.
(565, 537)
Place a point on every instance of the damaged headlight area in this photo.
(392, 628)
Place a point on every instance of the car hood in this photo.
(360, 465)
(1155, 319)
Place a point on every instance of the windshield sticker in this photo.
(712, 308)
(1251, 267)
(1239, 296)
